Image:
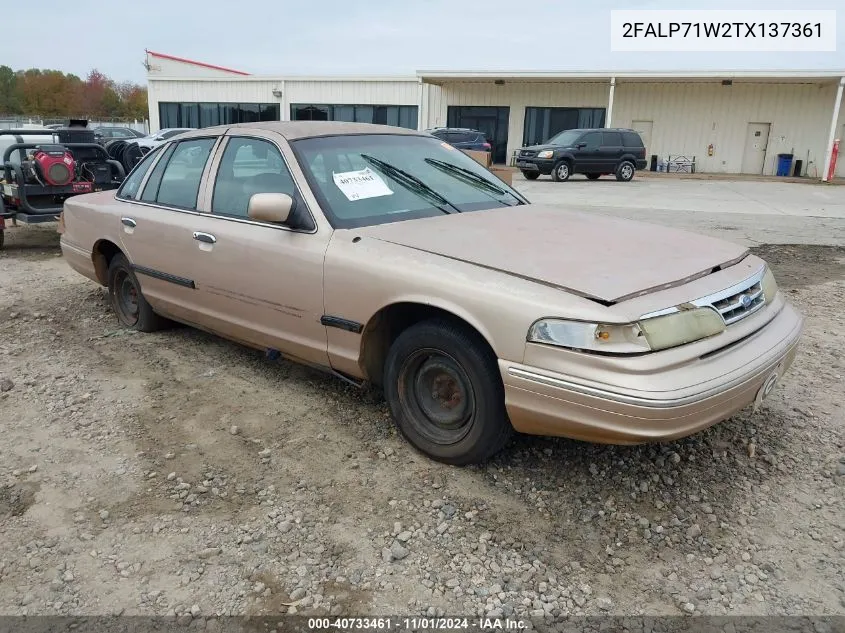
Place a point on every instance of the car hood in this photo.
(595, 256)
(537, 148)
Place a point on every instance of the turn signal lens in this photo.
(770, 286)
(682, 327)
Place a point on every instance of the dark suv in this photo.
(595, 153)
(462, 138)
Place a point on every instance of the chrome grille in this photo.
(740, 304)
(527, 153)
(733, 304)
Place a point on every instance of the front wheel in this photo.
(531, 175)
(445, 393)
(625, 171)
(561, 171)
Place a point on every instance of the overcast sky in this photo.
(372, 36)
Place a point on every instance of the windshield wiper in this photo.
(471, 178)
(409, 181)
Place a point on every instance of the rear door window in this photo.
(180, 181)
(611, 139)
(151, 188)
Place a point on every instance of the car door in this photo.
(156, 226)
(259, 283)
(587, 153)
(610, 151)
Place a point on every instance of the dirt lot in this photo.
(177, 473)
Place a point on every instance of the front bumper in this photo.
(542, 165)
(542, 402)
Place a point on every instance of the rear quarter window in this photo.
(632, 139)
(131, 186)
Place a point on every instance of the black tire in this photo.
(625, 171)
(126, 299)
(531, 175)
(561, 171)
(2, 237)
(593, 176)
(441, 369)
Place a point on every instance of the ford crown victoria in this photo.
(387, 256)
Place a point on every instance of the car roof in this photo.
(454, 129)
(293, 130)
(599, 129)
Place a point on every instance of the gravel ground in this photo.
(179, 474)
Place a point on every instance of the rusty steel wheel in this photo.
(127, 300)
(442, 384)
(437, 396)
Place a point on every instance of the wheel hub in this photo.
(127, 297)
(441, 393)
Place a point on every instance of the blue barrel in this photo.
(784, 164)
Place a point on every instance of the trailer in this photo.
(42, 167)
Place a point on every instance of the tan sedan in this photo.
(384, 255)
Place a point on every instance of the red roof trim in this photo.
(195, 63)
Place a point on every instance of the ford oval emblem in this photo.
(745, 301)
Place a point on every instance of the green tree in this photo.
(52, 93)
(9, 97)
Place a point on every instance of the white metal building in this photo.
(729, 122)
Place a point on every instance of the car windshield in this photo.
(367, 179)
(567, 137)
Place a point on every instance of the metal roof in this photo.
(195, 63)
(435, 76)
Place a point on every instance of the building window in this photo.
(397, 115)
(543, 123)
(208, 114)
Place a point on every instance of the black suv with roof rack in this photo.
(462, 138)
(592, 152)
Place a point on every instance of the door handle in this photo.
(208, 238)
(128, 222)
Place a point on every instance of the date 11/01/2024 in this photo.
(722, 29)
(416, 623)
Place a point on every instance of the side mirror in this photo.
(581, 145)
(270, 207)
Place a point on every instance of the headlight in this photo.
(770, 286)
(546, 153)
(648, 335)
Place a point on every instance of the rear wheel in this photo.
(531, 175)
(561, 171)
(443, 387)
(127, 301)
(625, 171)
(2, 237)
(593, 176)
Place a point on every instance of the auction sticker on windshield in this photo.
(361, 184)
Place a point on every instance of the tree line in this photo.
(54, 94)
